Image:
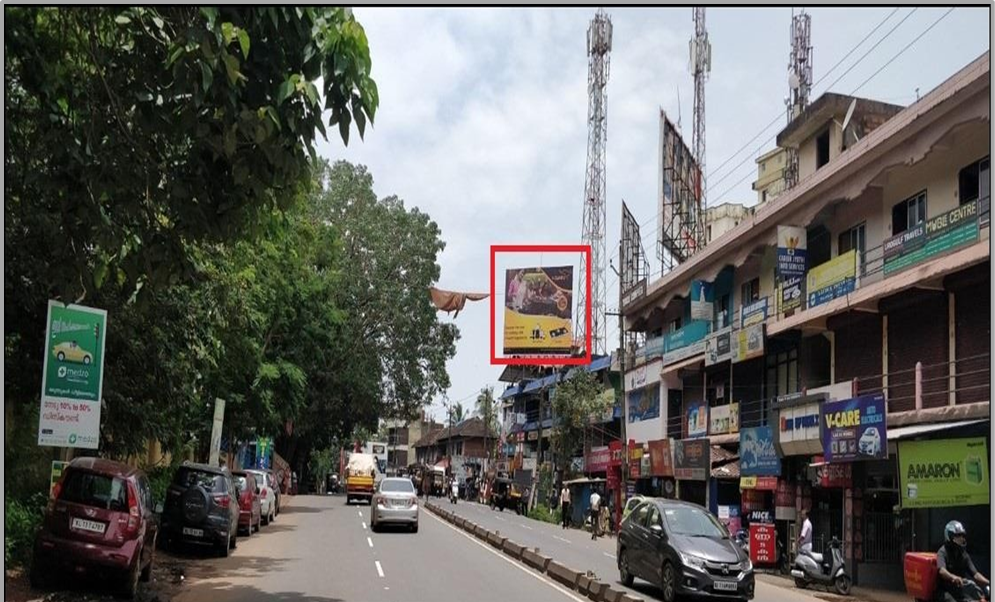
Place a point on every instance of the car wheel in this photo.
(272, 517)
(669, 583)
(147, 571)
(248, 532)
(623, 568)
(129, 589)
(414, 529)
(265, 520)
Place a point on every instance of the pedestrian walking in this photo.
(595, 513)
(565, 506)
(805, 537)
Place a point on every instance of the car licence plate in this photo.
(725, 586)
(81, 524)
(193, 532)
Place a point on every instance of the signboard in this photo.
(72, 376)
(765, 517)
(757, 455)
(697, 419)
(264, 452)
(598, 459)
(538, 310)
(634, 294)
(934, 237)
(692, 459)
(729, 516)
(718, 347)
(58, 466)
(834, 476)
(791, 294)
(835, 278)
(691, 332)
(943, 473)
(854, 429)
(219, 419)
(791, 265)
(754, 313)
(784, 501)
(748, 343)
(702, 300)
(763, 543)
(661, 460)
(724, 419)
(798, 430)
(644, 404)
(758, 483)
(635, 461)
(645, 465)
(615, 447)
(683, 353)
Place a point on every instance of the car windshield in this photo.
(397, 486)
(96, 490)
(189, 477)
(693, 522)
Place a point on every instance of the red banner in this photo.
(785, 496)
(615, 447)
(834, 476)
(661, 461)
(767, 483)
(598, 459)
(763, 544)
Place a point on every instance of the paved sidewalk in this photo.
(856, 594)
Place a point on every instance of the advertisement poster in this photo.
(791, 293)
(538, 310)
(635, 461)
(724, 419)
(729, 516)
(932, 238)
(692, 459)
(72, 376)
(264, 452)
(763, 543)
(748, 343)
(697, 419)
(57, 467)
(644, 404)
(832, 279)
(854, 429)
(661, 460)
(598, 459)
(718, 347)
(615, 447)
(941, 473)
(791, 252)
(754, 313)
(757, 455)
(702, 300)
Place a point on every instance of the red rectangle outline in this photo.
(542, 361)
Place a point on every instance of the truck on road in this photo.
(360, 477)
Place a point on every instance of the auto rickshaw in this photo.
(500, 493)
(518, 498)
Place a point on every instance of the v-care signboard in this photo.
(854, 429)
(72, 376)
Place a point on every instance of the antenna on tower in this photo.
(799, 82)
(599, 45)
(701, 66)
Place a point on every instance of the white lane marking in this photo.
(364, 525)
(360, 512)
(513, 563)
(609, 555)
(561, 539)
(501, 519)
(379, 568)
(525, 526)
(369, 541)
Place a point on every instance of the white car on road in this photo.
(267, 495)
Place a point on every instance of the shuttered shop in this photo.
(858, 349)
(917, 332)
(972, 318)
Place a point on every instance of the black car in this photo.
(201, 507)
(682, 548)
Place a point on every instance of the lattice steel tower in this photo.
(599, 46)
(701, 65)
(799, 82)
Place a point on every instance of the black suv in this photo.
(201, 507)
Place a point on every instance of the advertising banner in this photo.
(758, 483)
(763, 540)
(943, 473)
(691, 332)
(748, 343)
(791, 251)
(765, 517)
(697, 419)
(692, 459)
(854, 429)
(661, 460)
(832, 279)
(791, 293)
(757, 455)
(72, 376)
(264, 452)
(724, 419)
(598, 459)
(718, 347)
(754, 313)
(702, 300)
(729, 516)
(645, 464)
(616, 454)
(932, 238)
(57, 467)
(635, 461)
(538, 310)
(644, 404)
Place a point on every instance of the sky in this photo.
(483, 121)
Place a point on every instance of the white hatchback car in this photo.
(267, 496)
(870, 442)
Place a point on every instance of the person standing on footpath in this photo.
(595, 513)
(565, 506)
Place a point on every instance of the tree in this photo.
(458, 413)
(486, 410)
(575, 401)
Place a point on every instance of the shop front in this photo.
(692, 467)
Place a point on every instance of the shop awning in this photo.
(726, 471)
(691, 361)
(907, 432)
(511, 392)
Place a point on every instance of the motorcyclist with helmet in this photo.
(956, 569)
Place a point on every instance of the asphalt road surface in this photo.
(321, 550)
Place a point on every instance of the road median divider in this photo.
(562, 574)
(512, 549)
(535, 560)
(496, 540)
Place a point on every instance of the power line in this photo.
(871, 49)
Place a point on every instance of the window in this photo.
(640, 513)
(909, 213)
(763, 196)
(722, 312)
(95, 490)
(975, 184)
(853, 239)
(675, 325)
(822, 149)
(782, 373)
(709, 231)
(654, 518)
(750, 291)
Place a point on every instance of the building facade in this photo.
(723, 218)
(865, 287)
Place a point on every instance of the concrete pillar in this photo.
(952, 350)
(884, 355)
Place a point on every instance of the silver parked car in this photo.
(395, 502)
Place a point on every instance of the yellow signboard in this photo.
(538, 311)
(832, 279)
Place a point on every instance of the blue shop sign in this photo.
(757, 454)
(692, 332)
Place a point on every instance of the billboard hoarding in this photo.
(854, 429)
(538, 310)
(943, 473)
(832, 279)
(692, 459)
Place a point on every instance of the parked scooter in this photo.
(810, 567)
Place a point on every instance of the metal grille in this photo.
(883, 540)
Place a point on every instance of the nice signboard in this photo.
(72, 376)
(941, 473)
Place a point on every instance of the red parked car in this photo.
(250, 513)
(99, 520)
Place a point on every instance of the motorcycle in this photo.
(453, 496)
(810, 567)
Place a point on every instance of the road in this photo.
(575, 549)
(320, 550)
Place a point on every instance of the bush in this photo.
(160, 478)
(20, 522)
(542, 513)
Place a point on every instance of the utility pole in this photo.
(624, 477)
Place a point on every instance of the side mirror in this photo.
(656, 529)
(158, 508)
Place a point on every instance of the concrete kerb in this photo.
(596, 590)
(563, 574)
(512, 549)
(480, 533)
(628, 598)
(612, 595)
(536, 560)
(583, 584)
(496, 540)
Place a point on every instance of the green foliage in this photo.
(576, 400)
(20, 522)
(160, 479)
(487, 410)
(542, 512)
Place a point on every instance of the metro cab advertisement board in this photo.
(854, 429)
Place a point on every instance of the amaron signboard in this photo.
(854, 429)
(943, 473)
(72, 376)
(757, 455)
(538, 310)
(692, 459)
